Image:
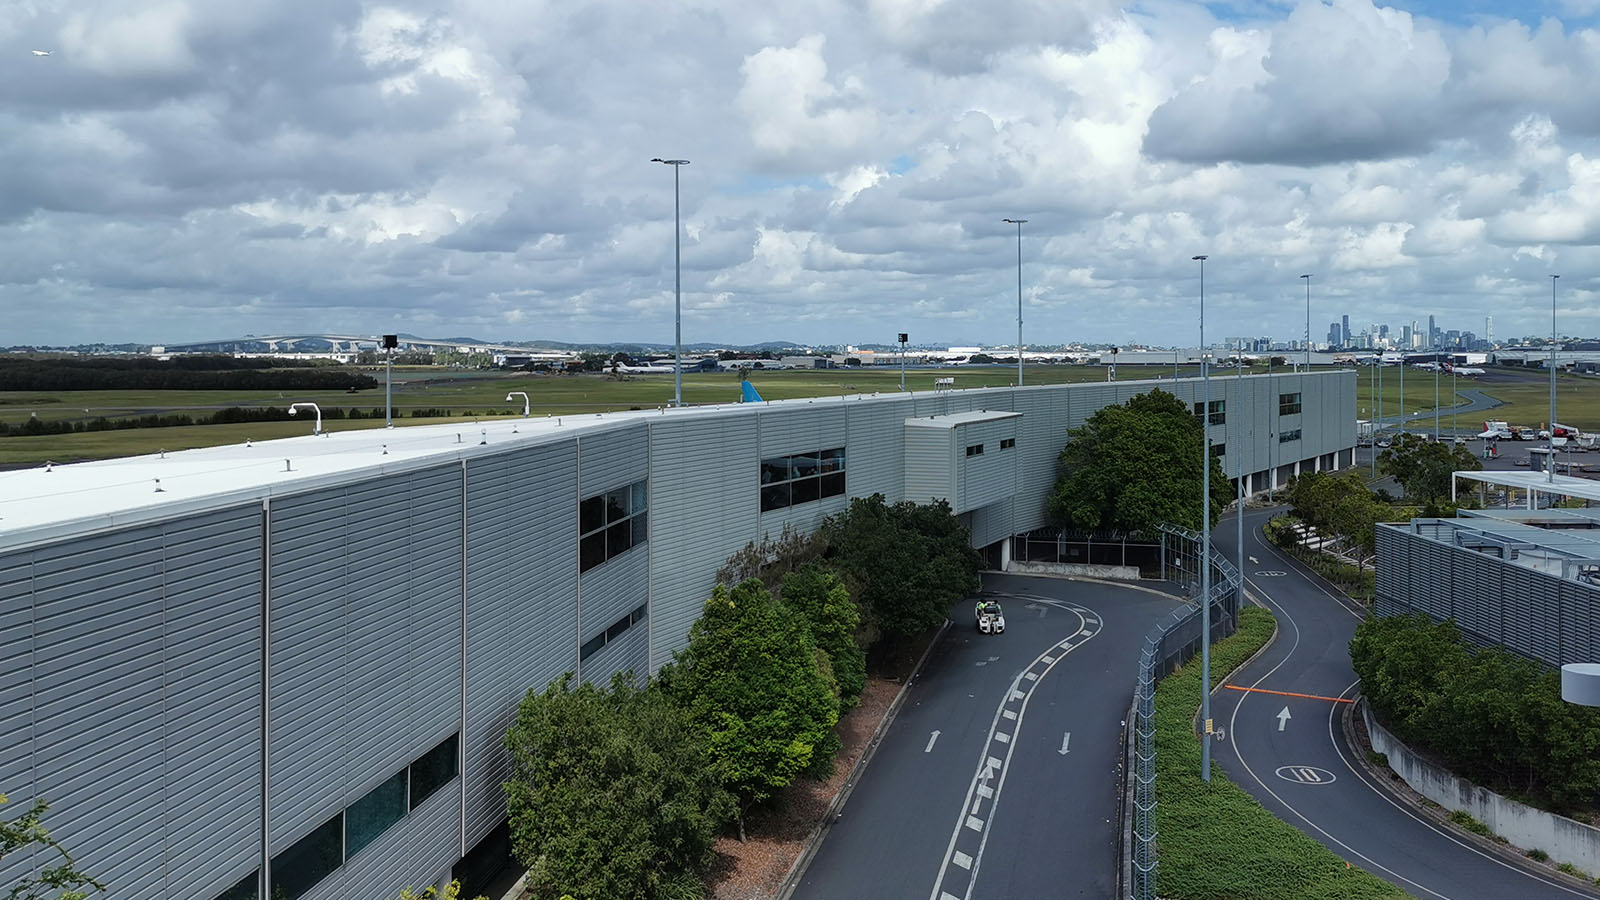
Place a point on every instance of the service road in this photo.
(999, 778)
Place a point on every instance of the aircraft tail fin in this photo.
(750, 395)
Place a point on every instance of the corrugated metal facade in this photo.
(402, 608)
(1493, 601)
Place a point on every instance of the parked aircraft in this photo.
(1463, 370)
(641, 370)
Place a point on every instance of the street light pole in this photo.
(1205, 535)
(1019, 224)
(1550, 461)
(677, 283)
(1238, 448)
(903, 338)
(1308, 323)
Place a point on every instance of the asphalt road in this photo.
(1299, 765)
(991, 783)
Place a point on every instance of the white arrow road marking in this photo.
(931, 738)
(1254, 561)
(958, 872)
(1066, 739)
(1283, 718)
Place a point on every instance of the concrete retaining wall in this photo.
(1115, 573)
(1528, 828)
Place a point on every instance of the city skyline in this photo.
(176, 170)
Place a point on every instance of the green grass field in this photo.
(466, 395)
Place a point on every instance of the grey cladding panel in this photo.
(704, 497)
(16, 693)
(522, 576)
(613, 458)
(211, 798)
(98, 677)
(613, 589)
(929, 464)
(434, 630)
(308, 641)
(875, 454)
(791, 430)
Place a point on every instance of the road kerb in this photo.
(814, 841)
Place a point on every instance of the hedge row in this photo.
(1494, 717)
(1215, 841)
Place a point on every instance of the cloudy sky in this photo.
(194, 169)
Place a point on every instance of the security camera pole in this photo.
(903, 338)
(390, 341)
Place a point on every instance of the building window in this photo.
(1285, 437)
(244, 890)
(593, 645)
(370, 816)
(974, 449)
(611, 524)
(435, 769)
(791, 480)
(309, 860)
(1219, 412)
(1289, 404)
(1219, 449)
(1007, 443)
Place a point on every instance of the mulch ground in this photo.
(754, 869)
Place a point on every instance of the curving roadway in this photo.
(1000, 775)
(1290, 751)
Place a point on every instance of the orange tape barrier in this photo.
(1234, 687)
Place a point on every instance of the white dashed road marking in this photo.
(958, 872)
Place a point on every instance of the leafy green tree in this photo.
(907, 563)
(1338, 504)
(820, 595)
(61, 881)
(1423, 467)
(612, 793)
(751, 680)
(1132, 467)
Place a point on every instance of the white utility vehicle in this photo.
(990, 619)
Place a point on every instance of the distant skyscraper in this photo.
(1334, 334)
(1345, 331)
(1405, 336)
(1433, 340)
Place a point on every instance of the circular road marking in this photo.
(1305, 775)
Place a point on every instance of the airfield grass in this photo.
(464, 395)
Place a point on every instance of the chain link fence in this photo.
(1170, 644)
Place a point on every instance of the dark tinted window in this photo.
(367, 818)
(641, 528)
(309, 860)
(592, 646)
(617, 504)
(774, 496)
(638, 615)
(244, 890)
(1285, 437)
(806, 490)
(617, 628)
(1219, 449)
(833, 485)
(619, 538)
(591, 514)
(592, 551)
(434, 770)
(774, 470)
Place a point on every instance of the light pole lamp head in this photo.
(1201, 257)
(1307, 277)
(670, 162)
(1014, 221)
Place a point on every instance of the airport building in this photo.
(286, 669)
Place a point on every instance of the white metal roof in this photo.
(1540, 482)
(963, 418)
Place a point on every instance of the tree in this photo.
(1423, 467)
(1132, 467)
(751, 681)
(612, 793)
(820, 595)
(61, 881)
(981, 359)
(906, 563)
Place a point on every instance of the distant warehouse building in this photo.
(286, 669)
